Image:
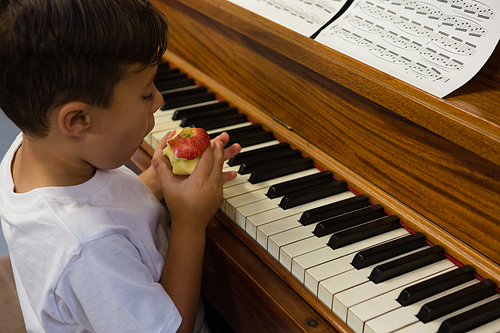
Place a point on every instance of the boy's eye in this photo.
(150, 97)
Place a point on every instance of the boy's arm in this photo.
(192, 202)
(149, 177)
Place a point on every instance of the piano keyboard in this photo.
(360, 262)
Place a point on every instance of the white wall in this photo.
(8, 131)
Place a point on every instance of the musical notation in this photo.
(437, 45)
(302, 16)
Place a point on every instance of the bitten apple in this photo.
(184, 149)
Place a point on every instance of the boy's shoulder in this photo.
(95, 201)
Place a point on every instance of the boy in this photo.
(87, 238)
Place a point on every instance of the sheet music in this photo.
(435, 45)
(302, 16)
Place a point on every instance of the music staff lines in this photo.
(432, 13)
(474, 9)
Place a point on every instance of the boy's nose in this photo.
(158, 100)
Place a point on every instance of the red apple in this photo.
(184, 147)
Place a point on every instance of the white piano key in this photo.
(240, 179)
(346, 299)
(348, 278)
(227, 167)
(281, 239)
(214, 101)
(166, 126)
(344, 276)
(331, 268)
(163, 116)
(267, 230)
(305, 245)
(155, 138)
(433, 326)
(325, 254)
(359, 314)
(254, 219)
(240, 200)
(386, 314)
(257, 146)
(244, 188)
(179, 89)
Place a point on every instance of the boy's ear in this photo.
(74, 118)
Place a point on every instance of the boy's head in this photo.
(56, 51)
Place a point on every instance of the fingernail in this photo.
(154, 163)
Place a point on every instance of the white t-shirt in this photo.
(85, 257)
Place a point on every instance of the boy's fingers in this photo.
(218, 160)
(204, 165)
(231, 151)
(162, 170)
(228, 175)
(224, 137)
(162, 144)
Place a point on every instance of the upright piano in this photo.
(430, 164)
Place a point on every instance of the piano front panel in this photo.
(431, 174)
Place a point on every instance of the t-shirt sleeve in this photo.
(107, 288)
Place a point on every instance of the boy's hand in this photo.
(192, 201)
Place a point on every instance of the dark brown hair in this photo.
(56, 51)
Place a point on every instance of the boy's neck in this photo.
(38, 163)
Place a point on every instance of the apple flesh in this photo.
(184, 149)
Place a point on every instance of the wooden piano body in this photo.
(433, 162)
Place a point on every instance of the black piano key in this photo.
(265, 151)
(253, 139)
(281, 170)
(301, 197)
(240, 132)
(183, 93)
(406, 264)
(227, 120)
(187, 100)
(174, 76)
(259, 161)
(388, 250)
(181, 82)
(207, 116)
(471, 319)
(166, 71)
(278, 190)
(179, 114)
(457, 300)
(348, 220)
(266, 161)
(364, 231)
(163, 66)
(433, 286)
(348, 205)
